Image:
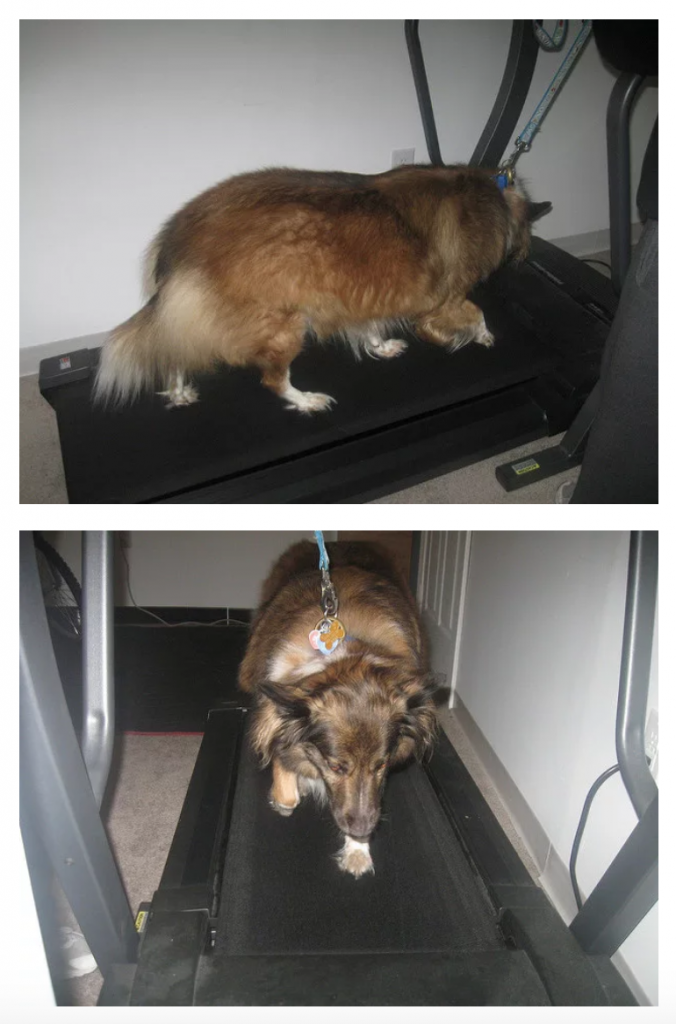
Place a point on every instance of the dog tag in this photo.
(327, 635)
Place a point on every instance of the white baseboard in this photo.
(29, 358)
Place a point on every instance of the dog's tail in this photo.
(128, 363)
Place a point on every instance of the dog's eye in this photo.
(339, 769)
(379, 767)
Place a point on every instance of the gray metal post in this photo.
(98, 711)
(57, 803)
(629, 887)
(619, 188)
(637, 645)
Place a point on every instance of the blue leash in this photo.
(323, 557)
(505, 175)
(329, 631)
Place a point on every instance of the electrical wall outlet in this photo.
(402, 156)
(651, 736)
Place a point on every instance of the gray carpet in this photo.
(42, 480)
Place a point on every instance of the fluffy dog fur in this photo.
(248, 269)
(334, 724)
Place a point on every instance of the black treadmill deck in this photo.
(425, 411)
(252, 910)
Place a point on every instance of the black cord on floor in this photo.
(228, 621)
(580, 828)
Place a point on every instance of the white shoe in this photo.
(77, 956)
(565, 492)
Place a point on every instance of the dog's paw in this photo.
(182, 394)
(478, 333)
(308, 401)
(286, 810)
(483, 336)
(355, 858)
(386, 348)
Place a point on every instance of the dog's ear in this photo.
(417, 725)
(418, 689)
(291, 702)
(537, 210)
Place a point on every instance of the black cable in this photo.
(580, 828)
(229, 621)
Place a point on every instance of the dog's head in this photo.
(523, 212)
(352, 721)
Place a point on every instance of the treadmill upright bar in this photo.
(423, 92)
(60, 820)
(620, 105)
(98, 712)
(516, 80)
(629, 887)
(639, 623)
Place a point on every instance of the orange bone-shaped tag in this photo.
(326, 635)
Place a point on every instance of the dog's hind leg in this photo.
(284, 795)
(179, 391)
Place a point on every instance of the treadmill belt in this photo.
(144, 451)
(283, 893)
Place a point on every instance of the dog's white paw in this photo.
(355, 858)
(386, 348)
(477, 332)
(483, 336)
(307, 401)
(286, 810)
(180, 394)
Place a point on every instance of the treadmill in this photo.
(397, 422)
(251, 909)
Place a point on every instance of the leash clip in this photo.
(329, 596)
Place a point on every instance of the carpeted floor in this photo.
(42, 480)
(149, 781)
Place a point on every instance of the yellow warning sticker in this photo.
(527, 466)
(141, 920)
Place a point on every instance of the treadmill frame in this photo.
(183, 915)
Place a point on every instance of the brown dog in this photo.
(334, 724)
(247, 269)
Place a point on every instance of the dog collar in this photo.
(502, 179)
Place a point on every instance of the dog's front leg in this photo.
(284, 795)
(355, 858)
(455, 323)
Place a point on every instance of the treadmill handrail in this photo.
(423, 92)
(639, 622)
(98, 693)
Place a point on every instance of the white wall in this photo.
(190, 569)
(538, 672)
(122, 122)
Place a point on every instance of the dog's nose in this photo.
(360, 827)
